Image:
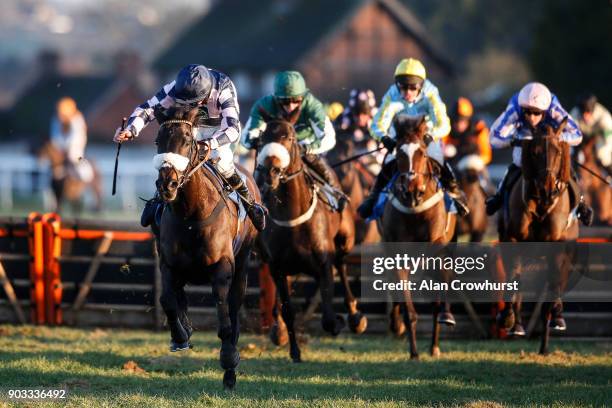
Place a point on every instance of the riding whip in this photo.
(350, 159)
(123, 123)
(594, 173)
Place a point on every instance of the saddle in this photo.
(325, 192)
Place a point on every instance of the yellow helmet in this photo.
(334, 110)
(66, 108)
(411, 66)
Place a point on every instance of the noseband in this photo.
(186, 175)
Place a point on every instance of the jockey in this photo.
(215, 95)
(69, 135)
(334, 110)
(413, 94)
(355, 122)
(595, 120)
(315, 132)
(534, 105)
(468, 135)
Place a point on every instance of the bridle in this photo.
(191, 167)
(559, 186)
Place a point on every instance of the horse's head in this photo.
(278, 153)
(176, 149)
(344, 149)
(546, 163)
(413, 164)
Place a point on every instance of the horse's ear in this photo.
(160, 114)
(422, 126)
(561, 127)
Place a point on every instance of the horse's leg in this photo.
(435, 336)
(476, 236)
(410, 317)
(236, 297)
(222, 275)
(278, 332)
(179, 337)
(357, 321)
(517, 305)
(287, 312)
(544, 318)
(331, 322)
(181, 298)
(396, 322)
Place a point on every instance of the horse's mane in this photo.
(529, 162)
(178, 112)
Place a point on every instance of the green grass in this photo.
(347, 371)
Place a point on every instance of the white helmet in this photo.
(535, 95)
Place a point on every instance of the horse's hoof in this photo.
(279, 335)
(229, 379)
(558, 323)
(517, 331)
(334, 327)
(435, 352)
(296, 356)
(229, 357)
(415, 356)
(174, 347)
(358, 323)
(505, 320)
(543, 352)
(447, 318)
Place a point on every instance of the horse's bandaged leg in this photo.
(224, 157)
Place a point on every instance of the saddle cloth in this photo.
(379, 207)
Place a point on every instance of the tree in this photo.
(572, 49)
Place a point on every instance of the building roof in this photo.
(271, 34)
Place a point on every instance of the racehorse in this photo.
(202, 238)
(416, 212)
(305, 235)
(539, 209)
(65, 183)
(597, 193)
(356, 181)
(475, 224)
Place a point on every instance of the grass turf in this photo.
(134, 369)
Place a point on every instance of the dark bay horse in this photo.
(415, 212)
(469, 169)
(201, 238)
(356, 181)
(539, 211)
(596, 193)
(304, 235)
(65, 184)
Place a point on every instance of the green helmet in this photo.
(289, 84)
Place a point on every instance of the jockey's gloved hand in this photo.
(121, 135)
(389, 143)
(428, 139)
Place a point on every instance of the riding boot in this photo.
(450, 185)
(151, 211)
(583, 211)
(317, 163)
(366, 208)
(495, 202)
(256, 212)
